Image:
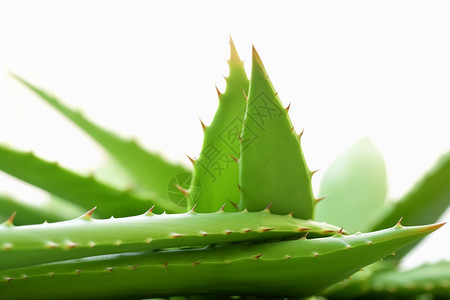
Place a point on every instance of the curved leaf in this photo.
(85, 191)
(425, 203)
(150, 171)
(301, 268)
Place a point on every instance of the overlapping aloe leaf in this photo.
(150, 171)
(216, 173)
(112, 173)
(272, 167)
(85, 236)
(391, 283)
(32, 214)
(358, 284)
(85, 191)
(425, 203)
(354, 187)
(432, 279)
(220, 254)
(297, 268)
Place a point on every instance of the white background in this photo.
(148, 69)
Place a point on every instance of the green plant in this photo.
(242, 226)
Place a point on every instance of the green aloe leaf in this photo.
(432, 279)
(301, 268)
(391, 283)
(149, 170)
(85, 236)
(425, 203)
(216, 173)
(358, 285)
(51, 211)
(85, 191)
(354, 187)
(272, 166)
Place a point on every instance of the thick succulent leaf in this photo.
(358, 285)
(391, 283)
(433, 279)
(216, 173)
(301, 268)
(150, 171)
(425, 203)
(354, 186)
(32, 214)
(36, 244)
(85, 191)
(272, 167)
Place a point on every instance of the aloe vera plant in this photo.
(245, 221)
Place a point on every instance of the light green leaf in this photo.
(391, 283)
(272, 166)
(433, 279)
(425, 203)
(216, 173)
(86, 236)
(85, 191)
(354, 187)
(149, 170)
(32, 214)
(302, 268)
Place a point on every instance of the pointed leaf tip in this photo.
(234, 56)
(257, 59)
(12, 74)
(433, 227)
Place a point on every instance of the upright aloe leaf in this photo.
(150, 171)
(279, 269)
(216, 173)
(272, 166)
(354, 187)
(425, 203)
(85, 191)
